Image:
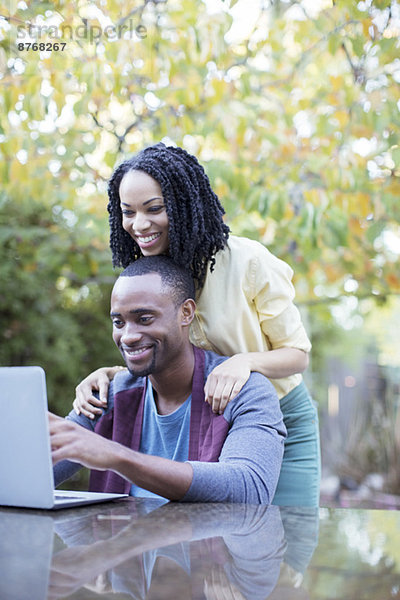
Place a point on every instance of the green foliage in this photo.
(53, 311)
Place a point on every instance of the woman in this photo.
(161, 201)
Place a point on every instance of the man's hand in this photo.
(225, 382)
(70, 441)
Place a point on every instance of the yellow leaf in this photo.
(59, 99)
(10, 8)
(289, 213)
(366, 24)
(342, 116)
(94, 266)
(312, 196)
(355, 227)
(336, 83)
(393, 281)
(16, 171)
(359, 204)
(331, 272)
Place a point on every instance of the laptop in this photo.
(26, 469)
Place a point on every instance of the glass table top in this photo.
(147, 550)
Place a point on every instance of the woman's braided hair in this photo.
(196, 230)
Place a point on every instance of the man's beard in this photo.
(147, 370)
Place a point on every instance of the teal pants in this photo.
(300, 476)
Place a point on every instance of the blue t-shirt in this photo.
(163, 435)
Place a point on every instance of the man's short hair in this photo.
(179, 281)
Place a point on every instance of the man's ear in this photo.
(187, 312)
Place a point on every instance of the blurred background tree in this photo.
(291, 106)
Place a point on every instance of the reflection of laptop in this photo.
(25, 539)
(26, 470)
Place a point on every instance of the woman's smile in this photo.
(145, 241)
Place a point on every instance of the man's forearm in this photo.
(167, 478)
(70, 441)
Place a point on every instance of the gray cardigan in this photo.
(236, 456)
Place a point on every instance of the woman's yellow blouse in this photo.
(246, 305)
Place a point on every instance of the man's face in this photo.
(147, 327)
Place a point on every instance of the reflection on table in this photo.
(147, 550)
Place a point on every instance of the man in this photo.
(157, 433)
